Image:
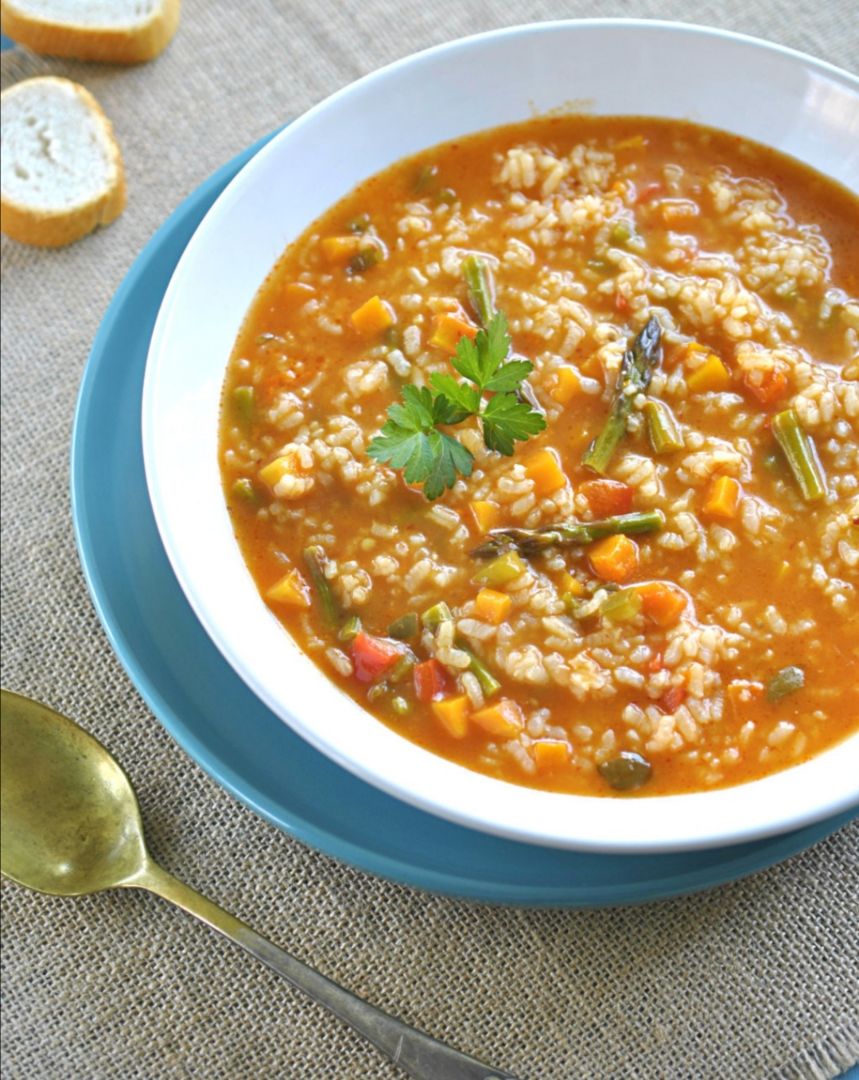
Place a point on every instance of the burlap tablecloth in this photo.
(756, 979)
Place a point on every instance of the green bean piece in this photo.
(636, 369)
(488, 683)
(314, 557)
(662, 429)
(437, 614)
(359, 224)
(244, 489)
(447, 196)
(400, 706)
(784, 682)
(801, 453)
(531, 542)
(481, 288)
(405, 628)
(506, 566)
(243, 402)
(627, 771)
(365, 259)
(622, 606)
(621, 233)
(350, 629)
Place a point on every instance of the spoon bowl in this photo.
(70, 825)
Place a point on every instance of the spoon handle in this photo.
(415, 1052)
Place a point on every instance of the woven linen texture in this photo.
(752, 980)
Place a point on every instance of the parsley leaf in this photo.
(450, 458)
(509, 376)
(467, 398)
(506, 419)
(410, 438)
(479, 360)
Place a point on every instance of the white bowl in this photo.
(801, 106)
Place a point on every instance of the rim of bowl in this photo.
(840, 761)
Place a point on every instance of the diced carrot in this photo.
(492, 606)
(614, 558)
(452, 712)
(430, 680)
(290, 589)
(621, 303)
(662, 603)
(546, 472)
(566, 386)
(373, 656)
(449, 329)
(571, 584)
(485, 514)
(711, 377)
(672, 699)
(338, 250)
(655, 663)
(767, 384)
(607, 497)
(723, 498)
(503, 719)
(373, 317)
(550, 753)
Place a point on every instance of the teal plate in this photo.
(230, 733)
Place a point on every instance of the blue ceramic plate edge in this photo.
(295, 826)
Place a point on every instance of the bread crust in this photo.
(56, 228)
(112, 45)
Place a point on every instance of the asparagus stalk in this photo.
(481, 291)
(314, 556)
(530, 542)
(801, 453)
(488, 683)
(636, 370)
(662, 429)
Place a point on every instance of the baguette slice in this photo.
(114, 31)
(61, 172)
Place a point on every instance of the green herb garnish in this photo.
(411, 438)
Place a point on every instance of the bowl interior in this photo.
(800, 106)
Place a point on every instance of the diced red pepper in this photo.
(672, 699)
(430, 681)
(373, 656)
(607, 497)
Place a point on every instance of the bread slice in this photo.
(61, 172)
(114, 31)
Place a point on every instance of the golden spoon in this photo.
(70, 825)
